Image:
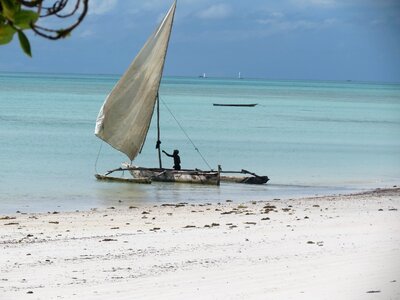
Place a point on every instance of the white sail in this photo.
(125, 116)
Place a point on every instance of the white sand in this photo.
(342, 247)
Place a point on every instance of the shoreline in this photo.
(330, 247)
(122, 194)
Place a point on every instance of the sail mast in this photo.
(158, 96)
(158, 132)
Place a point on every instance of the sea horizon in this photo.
(118, 75)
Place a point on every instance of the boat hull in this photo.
(235, 105)
(182, 176)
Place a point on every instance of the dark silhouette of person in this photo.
(177, 159)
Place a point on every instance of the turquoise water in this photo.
(308, 137)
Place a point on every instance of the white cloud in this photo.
(279, 25)
(308, 3)
(216, 11)
(86, 33)
(288, 25)
(133, 8)
(101, 7)
(277, 15)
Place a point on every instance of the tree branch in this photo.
(55, 34)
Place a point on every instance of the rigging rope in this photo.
(183, 130)
(97, 158)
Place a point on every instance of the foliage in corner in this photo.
(19, 15)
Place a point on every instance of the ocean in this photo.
(309, 137)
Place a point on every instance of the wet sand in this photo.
(336, 247)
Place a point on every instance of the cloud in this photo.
(216, 11)
(277, 25)
(152, 5)
(277, 22)
(101, 7)
(277, 15)
(86, 33)
(308, 3)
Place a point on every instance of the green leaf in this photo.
(6, 34)
(9, 8)
(24, 18)
(24, 42)
(8, 4)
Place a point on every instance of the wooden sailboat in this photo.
(236, 104)
(124, 119)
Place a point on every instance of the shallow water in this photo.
(308, 137)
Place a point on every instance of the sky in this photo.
(274, 39)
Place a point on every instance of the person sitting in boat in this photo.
(177, 159)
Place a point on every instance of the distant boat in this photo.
(240, 76)
(124, 119)
(237, 105)
(203, 76)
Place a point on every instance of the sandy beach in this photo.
(336, 247)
